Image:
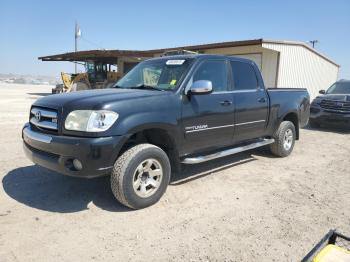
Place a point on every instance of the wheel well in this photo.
(293, 117)
(158, 137)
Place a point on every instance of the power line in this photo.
(77, 34)
(92, 43)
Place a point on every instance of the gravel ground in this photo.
(248, 207)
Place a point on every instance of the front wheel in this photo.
(140, 176)
(284, 139)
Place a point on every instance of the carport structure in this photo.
(282, 63)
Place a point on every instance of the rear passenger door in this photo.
(250, 100)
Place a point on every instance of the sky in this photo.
(29, 29)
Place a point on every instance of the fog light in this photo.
(77, 164)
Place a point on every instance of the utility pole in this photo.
(313, 42)
(77, 34)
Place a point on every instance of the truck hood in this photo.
(94, 99)
(335, 97)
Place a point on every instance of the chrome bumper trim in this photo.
(36, 136)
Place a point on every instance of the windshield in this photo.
(162, 74)
(342, 88)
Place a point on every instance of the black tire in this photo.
(278, 147)
(313, 124)
(122, 177)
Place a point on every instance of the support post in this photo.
(76, 44)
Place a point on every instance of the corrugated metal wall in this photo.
(269, 67)
(299, 67)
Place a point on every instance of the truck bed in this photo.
(299, 96)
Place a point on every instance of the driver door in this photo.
(208, 119)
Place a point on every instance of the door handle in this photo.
(262, 100)
(226, 103)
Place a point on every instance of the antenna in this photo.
(313, 42)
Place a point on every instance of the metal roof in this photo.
(303, 44)
(110, 56)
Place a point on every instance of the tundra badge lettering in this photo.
(193, 128)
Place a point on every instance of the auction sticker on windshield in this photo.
(175, 62)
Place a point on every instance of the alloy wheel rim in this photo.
(288, 139)
(147, 178)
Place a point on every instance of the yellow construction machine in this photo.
(98, 75)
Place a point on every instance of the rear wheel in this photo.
(140, 176)
(284, 139)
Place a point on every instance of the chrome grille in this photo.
(336, 106)
(44, 119)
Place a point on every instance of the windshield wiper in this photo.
(147, 87)
(139, 87)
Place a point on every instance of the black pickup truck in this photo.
(165, 112)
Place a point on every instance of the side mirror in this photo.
(201, 87)
(322, 92)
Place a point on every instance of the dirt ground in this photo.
(248, 207)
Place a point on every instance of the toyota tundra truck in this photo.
(164, 113)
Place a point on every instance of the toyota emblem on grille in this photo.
(37, 115)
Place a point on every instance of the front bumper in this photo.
(322, 116)
(57, 153)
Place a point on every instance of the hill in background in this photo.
(29, 79)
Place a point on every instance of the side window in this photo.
(244, 76)
(214, 71)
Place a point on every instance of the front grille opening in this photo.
(43, 130)
(338, 106)
(44, 120)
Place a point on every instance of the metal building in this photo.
(282, 63)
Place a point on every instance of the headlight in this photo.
(90, 121)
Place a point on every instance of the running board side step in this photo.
(227, 152)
